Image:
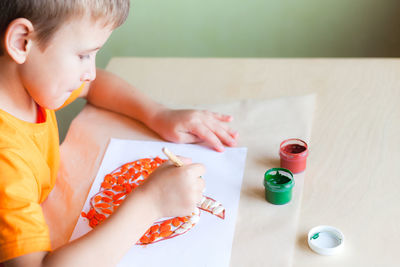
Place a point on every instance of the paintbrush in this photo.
(171, 156)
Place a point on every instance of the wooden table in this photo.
(353, 173)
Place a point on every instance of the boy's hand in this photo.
(194, 126)
(175, 191)
(180, 126)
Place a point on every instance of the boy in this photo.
(48, 49)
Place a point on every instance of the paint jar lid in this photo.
(325, 240)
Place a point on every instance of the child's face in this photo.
(68, 61)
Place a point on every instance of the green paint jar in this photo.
(278, 183)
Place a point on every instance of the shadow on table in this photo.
(302, 242)
(256, 192)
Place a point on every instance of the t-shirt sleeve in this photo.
(23, 228)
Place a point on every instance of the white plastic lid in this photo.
(325, 240)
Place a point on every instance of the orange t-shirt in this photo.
(29, 160)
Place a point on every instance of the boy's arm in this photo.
(113, 93)
(103, 246)
(181, 126)
(168, 192)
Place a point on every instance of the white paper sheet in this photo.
(209, 243)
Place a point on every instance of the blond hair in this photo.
(48, 15)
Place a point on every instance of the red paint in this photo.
(293, 153)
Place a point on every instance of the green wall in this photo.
(252, 28)
(258, 28)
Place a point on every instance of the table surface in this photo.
(352, 179)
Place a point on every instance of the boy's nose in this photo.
(89, 75)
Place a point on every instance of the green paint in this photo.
(278, 180)
(315, 236)
(278, 183)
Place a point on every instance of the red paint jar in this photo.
(293, 153)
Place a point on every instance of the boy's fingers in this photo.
(185, 160)
(196, 170)
(202, 184)
(222, 117)
(201, 188)
(188, 138)
(209, 137)
(225, 137)
(233, 133)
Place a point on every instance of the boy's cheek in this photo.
(51, 101)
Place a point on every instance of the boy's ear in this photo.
(18, 39)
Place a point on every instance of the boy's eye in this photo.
(84, 57)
